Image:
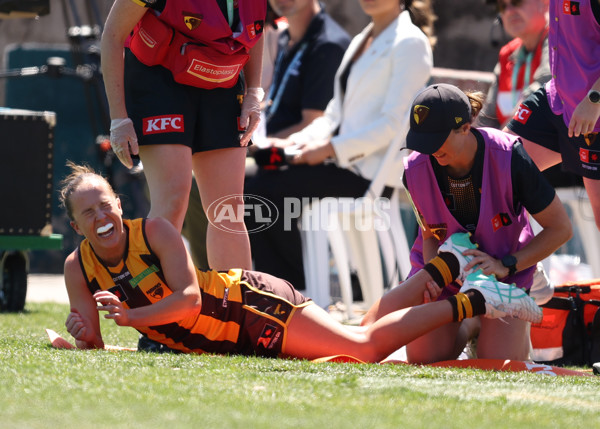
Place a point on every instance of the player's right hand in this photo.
(123, 140)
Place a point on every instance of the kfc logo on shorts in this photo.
(522, 115)
(163, 124)
(571, 7)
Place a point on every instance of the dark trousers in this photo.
(275, 250)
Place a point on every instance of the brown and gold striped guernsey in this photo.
(138, 280)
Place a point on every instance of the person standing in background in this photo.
(196, 223)
(523, 66)
(559, 123)
(159, 62)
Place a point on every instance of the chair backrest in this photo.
(379, 181)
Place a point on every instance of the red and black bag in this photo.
(569, 333)
(155, 43)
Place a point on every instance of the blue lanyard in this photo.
(522, 55)
(278, 90)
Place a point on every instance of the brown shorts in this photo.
(269, 303)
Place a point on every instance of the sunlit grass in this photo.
(45, 387)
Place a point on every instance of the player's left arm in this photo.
(586, 115)
(82, 322)
(180, 276)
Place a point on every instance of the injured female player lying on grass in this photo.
(139, 272)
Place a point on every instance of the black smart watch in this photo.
(510, 262)
(594, 96)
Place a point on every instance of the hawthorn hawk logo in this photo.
(420, 113)
(192, 20)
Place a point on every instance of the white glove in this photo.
(123, 140)
(250, 116)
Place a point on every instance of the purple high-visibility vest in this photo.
(574, 48)
(500, 230)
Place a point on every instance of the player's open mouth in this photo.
(106, 230)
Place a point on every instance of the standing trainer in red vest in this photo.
(183, 85)
(523, 66)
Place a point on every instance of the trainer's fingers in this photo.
(125, 158)
(472, 264)
(253, 122)
(245, 139)
(433, 290)
(134, 147)
(577, 129)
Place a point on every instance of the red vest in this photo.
(505, 104)
(193, 39)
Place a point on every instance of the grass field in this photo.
(41, 387)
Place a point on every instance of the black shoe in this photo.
(147, 345)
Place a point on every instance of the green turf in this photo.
(41, 387)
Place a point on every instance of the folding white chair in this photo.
(350, 227)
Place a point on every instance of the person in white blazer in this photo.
(338, 154)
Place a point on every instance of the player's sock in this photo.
(467, 305)
(444, 268)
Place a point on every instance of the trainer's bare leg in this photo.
(220, 173)
(168, 171)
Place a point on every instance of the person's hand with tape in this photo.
(123, 140)
(250, 115)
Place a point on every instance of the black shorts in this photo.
(269, 303)
(536, 122)
(166, 112)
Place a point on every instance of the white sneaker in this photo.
(503, 299)
(456, 244)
